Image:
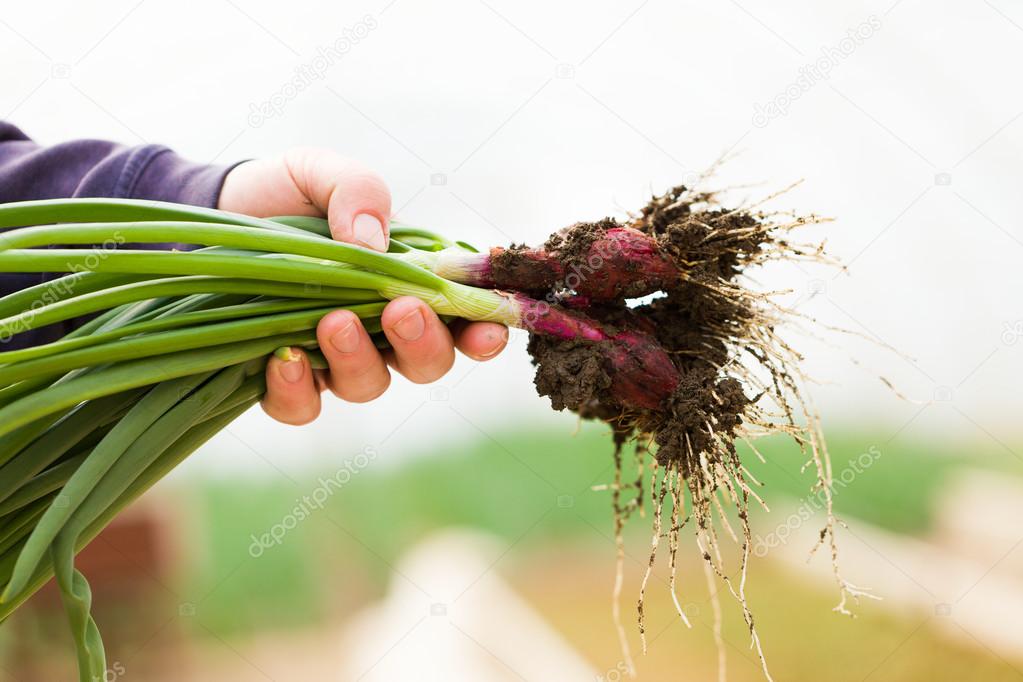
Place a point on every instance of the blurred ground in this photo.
(294, 608)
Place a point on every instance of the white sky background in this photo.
(539, 114)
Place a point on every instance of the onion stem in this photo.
(176, 349)
(161, 343)
(171, 286)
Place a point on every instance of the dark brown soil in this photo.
(573, 243)
(687, 370)
(574, 375)
(533, 271)
(693, 322)
(516, 267)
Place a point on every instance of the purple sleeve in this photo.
(93, 168)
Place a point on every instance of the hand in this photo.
(357, 204)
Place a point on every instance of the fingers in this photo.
(423, 349)
(291, 393)
(358, 373)
(480, 341)
(355, 200)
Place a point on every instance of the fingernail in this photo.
(500, 341)
(292, 370)
(411, 327)
(492, 352)
(346, 339)
(369, 232)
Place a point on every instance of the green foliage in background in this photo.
(532, 489)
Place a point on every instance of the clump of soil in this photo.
(703, 320)
(736, 378)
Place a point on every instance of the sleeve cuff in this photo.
(156, 173)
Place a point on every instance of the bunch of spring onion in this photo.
(175, 346)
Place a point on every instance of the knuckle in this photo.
(299, 162)
(423, 365)
(396, 309)
(363, 394)
(354, 369)
(425, 374)
(369, 383)
(365, 184)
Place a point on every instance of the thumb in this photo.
(313, 182)
(355, 200)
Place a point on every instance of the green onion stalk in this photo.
(175, 348)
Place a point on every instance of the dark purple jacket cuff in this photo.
(94, 168)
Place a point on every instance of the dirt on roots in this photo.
(738, 379)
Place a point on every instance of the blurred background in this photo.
(451, 531)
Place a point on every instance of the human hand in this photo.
(357, 205)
